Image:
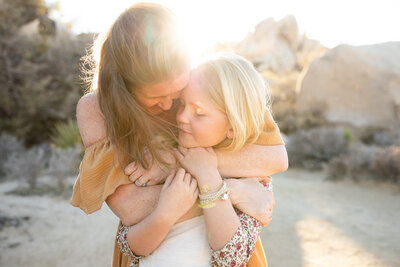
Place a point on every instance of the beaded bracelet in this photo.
(208, 200)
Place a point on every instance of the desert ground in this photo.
(316, 223)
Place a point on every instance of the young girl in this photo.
(225, 105)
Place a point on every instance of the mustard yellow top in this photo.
(100, 173)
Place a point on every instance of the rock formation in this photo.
(359, 85)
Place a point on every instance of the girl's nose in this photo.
(182, 116)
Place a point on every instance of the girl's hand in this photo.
(178, 195)
(251, 197)
(198, 161)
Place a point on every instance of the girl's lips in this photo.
(183, 131)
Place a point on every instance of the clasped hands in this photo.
(180, 191)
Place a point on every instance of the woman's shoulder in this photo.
(90, 119)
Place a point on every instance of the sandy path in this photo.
(316, 223)
(57, 234)
(324, 223)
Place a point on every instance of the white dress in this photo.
(185, 245)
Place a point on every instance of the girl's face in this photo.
(200, 123)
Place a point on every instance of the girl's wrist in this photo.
(165, 214)
(209, 178)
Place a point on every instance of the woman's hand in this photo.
(199, 161)
(142, 177)
(249, 196)
(156, 174)
(178, 194)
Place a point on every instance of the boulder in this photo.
(308, 50)
(277, 46)
(272, 45)
(357, 85)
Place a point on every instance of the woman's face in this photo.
(200, 123)
(158, 97)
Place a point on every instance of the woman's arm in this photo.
(130, 203)
(252, 161)
(252, 196)
(90, 119)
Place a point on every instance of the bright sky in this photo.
(355, 22)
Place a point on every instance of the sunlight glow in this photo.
(323, 243)
(207, 22)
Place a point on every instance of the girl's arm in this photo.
(178, 194)
(223, 225)
(240, 247)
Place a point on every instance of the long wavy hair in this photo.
(142, 47)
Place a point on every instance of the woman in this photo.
(227, 95)
(140, 71)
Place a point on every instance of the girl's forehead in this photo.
(195, 93)
(195, 76)
(194, 86)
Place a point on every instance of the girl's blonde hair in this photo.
(237, 89)
(140, 48)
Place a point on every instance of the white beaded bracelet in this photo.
(208, 200)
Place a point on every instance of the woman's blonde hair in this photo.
(237, 89)
(140, 48)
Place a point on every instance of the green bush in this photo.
(66, 135)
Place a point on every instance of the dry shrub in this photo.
(312, 148)
(368, 162)
(336, 168)
(387, 165)
(291, 120)
(378, 163)
(27, 165)
(8, 145)
(63, 163)
(380, 136)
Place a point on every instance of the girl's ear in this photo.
(229, 134)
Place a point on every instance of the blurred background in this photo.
(333, 70)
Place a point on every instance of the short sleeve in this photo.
(122, 241)
(271, 135)
(99, 176)
(240, 248)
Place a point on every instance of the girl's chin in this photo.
(185, 143)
